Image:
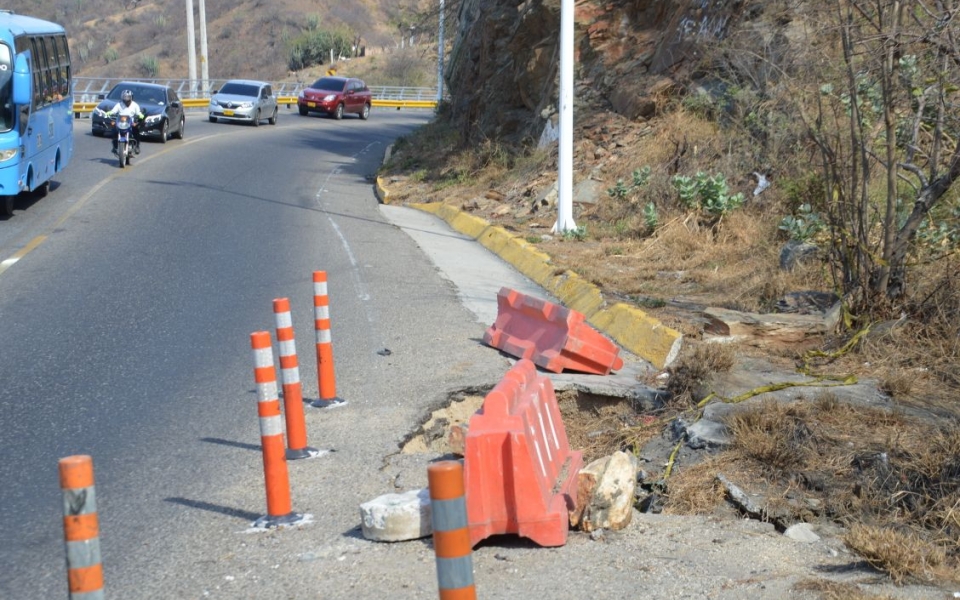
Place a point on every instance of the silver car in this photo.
(244, 100)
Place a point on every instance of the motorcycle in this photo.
(127, 143)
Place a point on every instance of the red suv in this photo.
(335, 96)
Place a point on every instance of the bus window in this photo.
(6, 88)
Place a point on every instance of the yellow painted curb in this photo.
(639, 333)
(382, 194)
(577, 293)
(629, 326)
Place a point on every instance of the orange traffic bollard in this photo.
(279, 511)
(326, 377)
(451, 536)
(81, 528)
(292, 388)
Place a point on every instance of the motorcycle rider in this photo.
(127, 107)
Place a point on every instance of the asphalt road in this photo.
(126, 331)
(127, 299)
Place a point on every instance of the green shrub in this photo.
(802, 226)
(706, 193)
(150, 66)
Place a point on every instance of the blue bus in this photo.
(36, 106)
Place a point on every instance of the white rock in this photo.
(397, 517)
(605, 493)
(802, 532)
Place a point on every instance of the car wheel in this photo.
(213, 119)
(164, 130)
(183, 124)
(303, 111)
(338, 112)
(96, 133)
(273, 119)
(6, 207)
(256, 118)
(365, 113)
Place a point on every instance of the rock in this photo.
(802, 532)
(605, 493)
(397, 517)
(494, 195)
(708, 434)
(794, 252)
(807, 302)
(587, 192)
(457, 438)
(768, 330)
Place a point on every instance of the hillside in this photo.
(250, 38)
(711, 140)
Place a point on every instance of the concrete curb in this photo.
(382, 194)
(629, 326)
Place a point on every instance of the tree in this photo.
(886, 128)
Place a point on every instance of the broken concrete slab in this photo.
(397, 517)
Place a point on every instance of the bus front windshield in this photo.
(6, 88)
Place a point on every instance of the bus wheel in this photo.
(6, 205)
(43, 190)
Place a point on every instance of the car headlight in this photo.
(153, 118)
(329, 97)
(6, 155)
(300, 95)
(99, 112)
(213, 102)
(246, 105)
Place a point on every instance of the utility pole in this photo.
(440, 59)
(204, 63)
(191, 49)
(565, 167)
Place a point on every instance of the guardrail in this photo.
(84, 108)
(92, 89)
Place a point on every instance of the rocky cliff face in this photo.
(631, 56)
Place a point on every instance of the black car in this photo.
(160, 104)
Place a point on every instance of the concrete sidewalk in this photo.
(478, 274)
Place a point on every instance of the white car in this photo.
(244, 100)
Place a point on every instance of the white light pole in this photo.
(191, 48)
(440, 59)
(204, 67)
(565, 168)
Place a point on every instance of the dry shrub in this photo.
(835, 590)
(690, 371)
(776, 436)
(695, 489)
(897, 384)
(594, 424)
(903, 555)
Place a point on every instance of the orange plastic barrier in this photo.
(552, 336)
(519, 471)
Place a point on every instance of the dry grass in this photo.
(834, 590)
(903, 555)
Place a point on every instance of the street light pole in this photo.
(191, 48)
(204, 66)
(440, 59)
(565, 167)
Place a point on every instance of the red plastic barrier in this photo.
(519, 471)
(552, 336)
